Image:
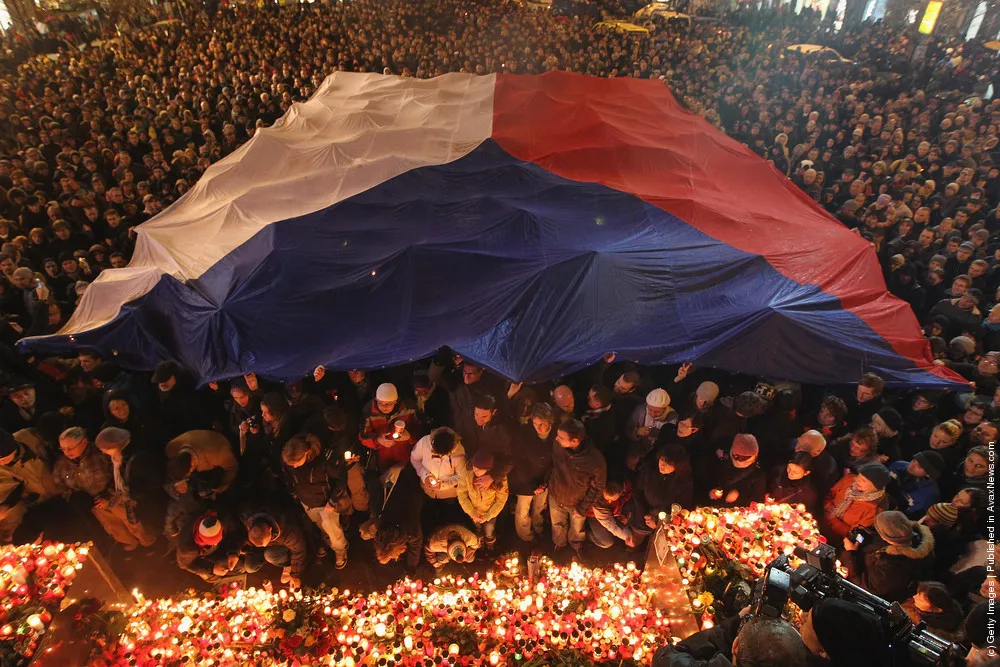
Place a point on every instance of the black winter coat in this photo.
(655, 492)
(532, 459)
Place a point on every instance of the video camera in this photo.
(907, 645)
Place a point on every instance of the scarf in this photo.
(594, 414)
(852, 496)
(482, 482)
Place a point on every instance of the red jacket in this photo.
(377, 423)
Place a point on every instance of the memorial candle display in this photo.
(563, 615)
(710, 544)
(33, 583)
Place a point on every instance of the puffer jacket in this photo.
(487, 502)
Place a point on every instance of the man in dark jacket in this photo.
(865, 402)
(664, 481)
(475, 382)
(485, 431)
(760, 641)
(314, 477)
(731, 415)
(599, 421)
(740, 479)
(276, 538)
(962, 313)
(432, 404)
(27, 401)
(825, 471)
(179, 408)
(578, 476)
(532, 458)
(892, 565)
(210, 545)
(339, 437)
(397, 530)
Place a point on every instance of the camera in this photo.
(907, 644)
(253, 421)
(860, 535)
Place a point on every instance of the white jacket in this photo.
(446, 469)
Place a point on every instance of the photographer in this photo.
(894, 560)
(760, 642)
(845, 634)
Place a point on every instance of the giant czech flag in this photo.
(532, 223)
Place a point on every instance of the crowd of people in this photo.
(429, 461)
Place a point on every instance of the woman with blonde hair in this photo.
(943, 440)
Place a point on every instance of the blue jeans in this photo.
(277, 556)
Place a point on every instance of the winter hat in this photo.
(658, 398)
(894, 528)
(945, 514)
(112, 437)
(209, 531)
(937, 594)
(750, 404)
(850, 635)
(891, 418)
(745, 445)
(164, 371)
(964, 343)
(884, 199)
(707, 391)
(386, 393)
(975, 294)
(968, 245)
(876, 473)
(456, 550)
(932, 463)
(483, 460)
(8, 445)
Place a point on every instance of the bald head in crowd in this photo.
(811, 442)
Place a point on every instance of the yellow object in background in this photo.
(930, 16)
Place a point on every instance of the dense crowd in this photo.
(427, 460)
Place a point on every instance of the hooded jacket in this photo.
(890, 571)
(143, 427)
(578, 476)
(487, 502)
